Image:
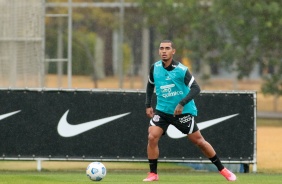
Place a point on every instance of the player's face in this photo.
(166, 51)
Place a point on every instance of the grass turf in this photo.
(132, 177)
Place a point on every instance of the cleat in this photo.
(228, 174)
(152, 177)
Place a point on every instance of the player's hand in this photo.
(150, 112)
(178, 110)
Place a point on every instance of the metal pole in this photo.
(70, 43)
(121, 20)
(42, 64)
(255, 134)
(60, 52)
(145, 54)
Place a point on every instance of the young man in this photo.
(175, 90)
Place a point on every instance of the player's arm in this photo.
(149, 93)
(190, 82)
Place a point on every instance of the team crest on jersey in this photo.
(167, 78)
(156, 118)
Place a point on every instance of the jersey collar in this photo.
(172, 65)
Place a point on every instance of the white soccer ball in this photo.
(96, 171)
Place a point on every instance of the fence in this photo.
(21, 41)
(112, 126)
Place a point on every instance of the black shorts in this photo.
(184, 122)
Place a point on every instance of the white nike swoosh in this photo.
(8, 114)
(174, 133)
(67, 130)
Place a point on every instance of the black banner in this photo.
(113, 124)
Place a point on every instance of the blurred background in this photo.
(91, 44)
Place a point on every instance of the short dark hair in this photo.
(168, 41)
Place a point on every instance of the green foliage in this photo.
(127, 58)
(248, 29)
(87, 23)
(273, 82)
(83, 52)
(81, 63)
(235, 34)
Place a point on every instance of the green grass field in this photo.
(132, 177)
(24, 172)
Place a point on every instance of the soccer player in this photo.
(175, 89)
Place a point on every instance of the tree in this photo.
(101, 21)
(222, 32)
(273, 83)
(253, 32)
(189, 24)
(86, 22)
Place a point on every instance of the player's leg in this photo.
(157, 127)
(210, 153)
(154, 134)
(197, 139)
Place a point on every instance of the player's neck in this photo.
(167, 63)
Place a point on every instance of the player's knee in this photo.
(200, 143)
(152, 138)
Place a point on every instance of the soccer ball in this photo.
(96, 171)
